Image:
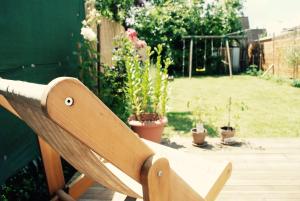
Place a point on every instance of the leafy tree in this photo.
(166, 22)
(114, 9)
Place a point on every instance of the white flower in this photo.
(84, 22)
(147, 4)
(88, 34)
(130, 21)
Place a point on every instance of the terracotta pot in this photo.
(199, 137)
(148, 129)
(227, 132)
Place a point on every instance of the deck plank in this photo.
(263, 170)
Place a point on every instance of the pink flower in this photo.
(132, 35)
(140, 44)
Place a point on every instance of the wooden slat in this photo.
(204, 176)
(62, 196)
(79, 186)
(51, 159)
(156, 179)
(71, 149)
(4, 103)
(53, 167)
(90, 121)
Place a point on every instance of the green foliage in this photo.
(168, 22)
(293, 56)
(157, 85)
(146, 82)
(114, 9)
(28, 184)
(201, 114)
(143, 94)
(127, 87)
(88, 73)
(164, 95)
(113, 79)
(296, 83)
(198, 111)
(253, 70)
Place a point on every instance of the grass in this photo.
(260, 108)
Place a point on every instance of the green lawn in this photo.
(269, 109)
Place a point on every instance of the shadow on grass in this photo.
(180, 121)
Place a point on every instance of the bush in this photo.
(170, 21)
(253, 70)
(113, 79)
(115, 10)
(28, 184)
(296, 83)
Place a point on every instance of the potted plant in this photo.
(198, 132)
(147, 95)
(228, 131)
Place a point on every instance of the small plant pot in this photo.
(227, 132)
(198, 137)
(148, 129)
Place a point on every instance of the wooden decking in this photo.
(263, 170)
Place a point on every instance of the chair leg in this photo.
(128, 198)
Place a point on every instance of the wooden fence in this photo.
(275, 50)
(107, 32)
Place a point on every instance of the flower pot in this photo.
(198, 137)
(147, 128)
(227, 132)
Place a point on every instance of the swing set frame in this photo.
(212, 37)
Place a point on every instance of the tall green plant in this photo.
(164, 94)
(113, 78)
(143, 94)
(158, 79)
(146, 82)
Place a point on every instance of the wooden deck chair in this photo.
(74, 122)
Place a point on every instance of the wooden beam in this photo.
(81, 118)
(229, 58)
(79, 186)
(4, 103)
(52, 166)
(51, 159)
(191, 59)
(213, 37)
(269, 68)
(155, 179)
(62, 196)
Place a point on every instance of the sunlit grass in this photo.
(264, 108)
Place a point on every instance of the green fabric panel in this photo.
(38, 39)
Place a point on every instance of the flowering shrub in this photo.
(88, 72)
(88, 34)
(146, 94)
(127, 87)
(113, 79)
(132, 35)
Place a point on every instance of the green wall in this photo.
(38, 39)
